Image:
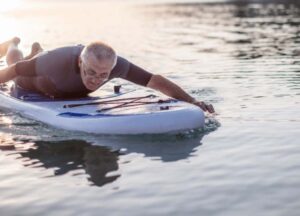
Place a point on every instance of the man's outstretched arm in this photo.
(138, 75)
(167, 87)
(8, 73)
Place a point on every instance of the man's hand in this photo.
(205, 107)
(162, 84)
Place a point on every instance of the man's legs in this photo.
(13, 54)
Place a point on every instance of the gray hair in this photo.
(100, 51)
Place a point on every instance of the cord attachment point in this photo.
(117, 89)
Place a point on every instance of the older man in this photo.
(75, 71)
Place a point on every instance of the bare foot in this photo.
(5, 45)
(35, 49)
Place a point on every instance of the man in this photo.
(75, 71)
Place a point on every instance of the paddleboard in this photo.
(129, 112)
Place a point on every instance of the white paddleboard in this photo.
(135, 112)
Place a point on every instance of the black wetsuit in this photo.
(56, 73)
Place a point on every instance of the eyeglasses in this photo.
(93, 75)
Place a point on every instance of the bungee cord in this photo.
(123, 102)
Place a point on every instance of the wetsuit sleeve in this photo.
(26, 68)
(138, 75)
(130, 72)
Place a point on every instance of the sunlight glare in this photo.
(7, 5)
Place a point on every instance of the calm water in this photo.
(243, 58)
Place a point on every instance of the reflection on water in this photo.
(98, 162)
(66, 156)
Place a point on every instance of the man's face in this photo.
(94, 73)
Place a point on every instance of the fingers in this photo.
(205, 107)
(210, 108)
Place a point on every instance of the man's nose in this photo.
(96, 81)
